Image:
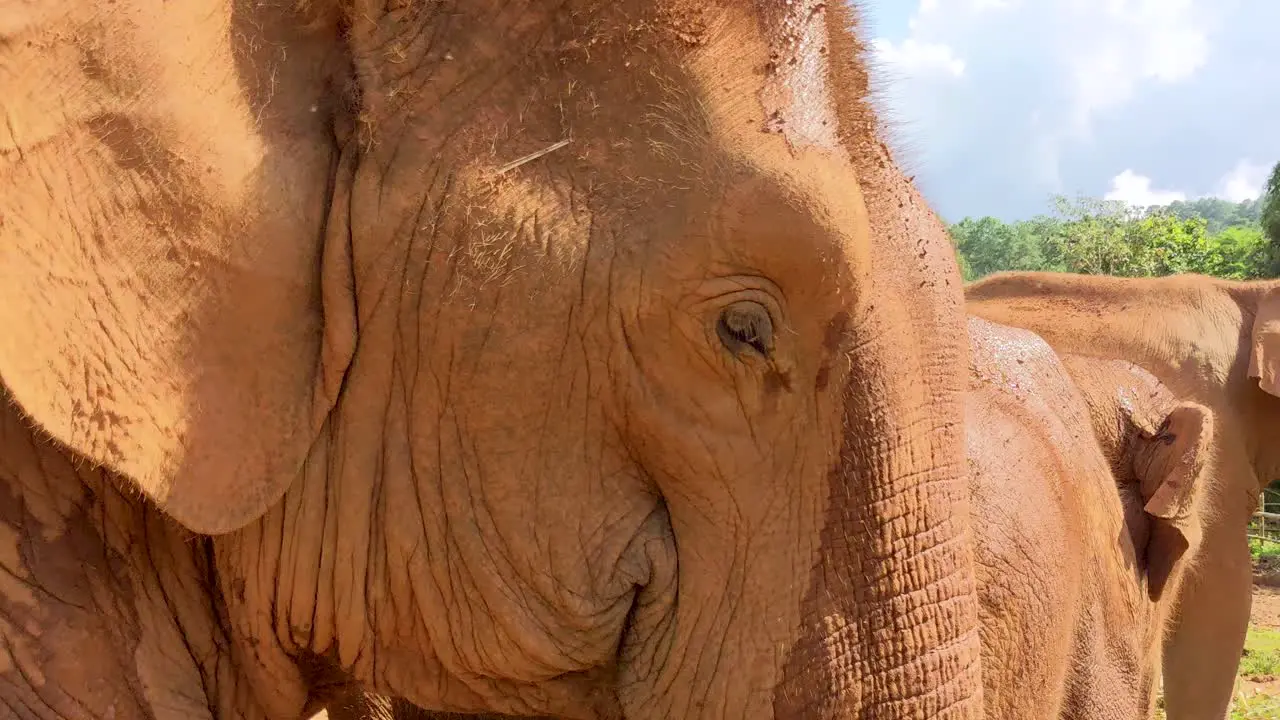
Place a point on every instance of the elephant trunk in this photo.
(891, 621)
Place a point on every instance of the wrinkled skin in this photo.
(1210, 341)
(1085, 477)
(329, 366)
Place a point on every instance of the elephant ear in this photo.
(1264, 352)
(160, 252)
(1170, 467)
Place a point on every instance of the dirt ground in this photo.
(1266, 592)
(1266, 604)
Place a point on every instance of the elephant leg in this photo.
(1202, 651)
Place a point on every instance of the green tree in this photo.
(1271, 220)
(1238, 253)
(966, 270)
(1164, 244)
(1094, 236)
(1218, 213)
(987, 245)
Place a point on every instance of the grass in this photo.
(1261, 662)
(1264, 550)
(1260, 706)
(1261, 654)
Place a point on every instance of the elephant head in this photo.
(1159, 449)
(589, 359)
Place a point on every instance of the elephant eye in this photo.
(746, 325)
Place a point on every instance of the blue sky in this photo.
(998, 104)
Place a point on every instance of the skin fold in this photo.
(1213, 342)
(590, 360)
(1086, 475)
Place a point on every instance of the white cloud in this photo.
(929, 6)
(980, 5)
(1076, 60)
(1244, 182)
(916, 57)
(1054, 93)
(1135, 190)
(1110, 47)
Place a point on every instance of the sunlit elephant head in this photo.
(582, 358)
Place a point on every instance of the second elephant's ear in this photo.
(1264, 350)
(1170, 466)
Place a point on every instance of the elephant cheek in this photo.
(890, 619)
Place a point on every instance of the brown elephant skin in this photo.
(1086, 476)
(588, 359)
(1211, 341)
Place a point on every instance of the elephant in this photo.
(1211, 341)
(1086, 479)
(585, 359)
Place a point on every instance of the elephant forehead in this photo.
(791, 92)
(533, 210)
(796, 97)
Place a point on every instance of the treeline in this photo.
(1086, 235)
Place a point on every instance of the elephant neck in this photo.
(92, 575)
(296, 584)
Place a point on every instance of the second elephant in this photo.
(1086, 476)
(1213, 341)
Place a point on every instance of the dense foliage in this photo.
(1085, 235)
